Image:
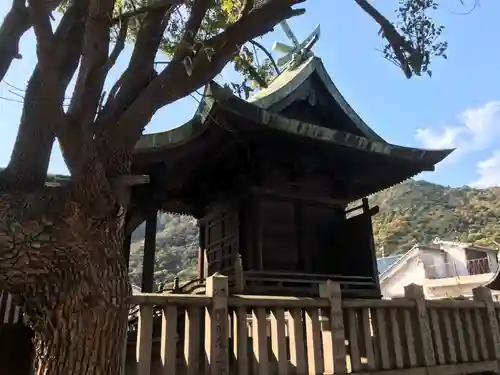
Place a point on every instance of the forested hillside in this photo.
(412, 212)
(418, 211)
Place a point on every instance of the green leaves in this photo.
(417, 212)
(219, 16)
(422, 37)
(231, 9)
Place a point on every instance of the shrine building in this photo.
(273, 182)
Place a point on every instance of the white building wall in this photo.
(435, 261)
(449, 266)
(410, 273)
(493, 260)
(454, 290)
(456, 257)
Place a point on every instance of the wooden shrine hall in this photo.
(273, 182)
(279, 185)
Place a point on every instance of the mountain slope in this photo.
(418, 211)
(412, 212)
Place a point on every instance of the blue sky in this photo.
(458, 107)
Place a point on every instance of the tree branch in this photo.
(15, 24)
(94, 65)
(174, 83)
(267, 53)
(185, 47)
(397, 42)
(140, 68)
(46, 48)
(77, 137)
(218, 50)
(138, 75)
(40, 15)
(246, 8)
(119, 44)
(254, 74)
(146, 9)
(115, 53)
(31, 153)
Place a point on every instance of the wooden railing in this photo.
(479, 266)
(9, 312)
(269, 282)
(220, 334)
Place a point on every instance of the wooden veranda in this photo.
(240, 334)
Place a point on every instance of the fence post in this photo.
(331, 291)
(425, 346)
(144, 339)
(491, 329)
(216, 325)
(205, 264)
(124, 352)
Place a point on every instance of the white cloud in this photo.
(446, 138)
(488, 171)
(476, 130)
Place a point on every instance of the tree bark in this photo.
(30, 156)
(84, 339)
(63, 260)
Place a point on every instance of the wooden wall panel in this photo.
(278, 235)
(358, 245)
(322, 238)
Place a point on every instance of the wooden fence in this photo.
(9, 312)
(219, 334)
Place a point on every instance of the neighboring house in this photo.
(443, 268)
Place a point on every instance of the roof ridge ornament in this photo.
(299, 52)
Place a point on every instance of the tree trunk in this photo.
(63, 260)
(84, 340)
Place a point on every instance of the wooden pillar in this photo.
(369, 213)
(304, 263)
(490, 323)
(126, 247)
(217, 326)
(201, 250)
(238, 274)
(258, 229)
(148, 263)
(335, 359)
(425, 346)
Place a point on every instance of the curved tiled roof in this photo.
(290, 80)
(217, 98)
